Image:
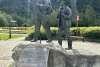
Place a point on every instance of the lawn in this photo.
(91, 32)
(5, 36)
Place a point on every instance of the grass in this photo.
(5, 36)
(29, 30)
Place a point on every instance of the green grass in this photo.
(5, 36)
(84, 31)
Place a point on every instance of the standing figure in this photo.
(64, 24)
(43, 10)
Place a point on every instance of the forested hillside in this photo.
(22, 10)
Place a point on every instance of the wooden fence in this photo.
(15, 30)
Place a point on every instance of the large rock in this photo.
(50, 55)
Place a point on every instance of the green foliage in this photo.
(88, 10)
(19, 20)
(88, 16)
(53, 19)
(93, 34)
(43, 34)
(88, 32)
(4, 19)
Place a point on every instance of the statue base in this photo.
(52, 55)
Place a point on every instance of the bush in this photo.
(93, 34)
(53, 18)
(43, 34)
(4, 19)
(88, 32)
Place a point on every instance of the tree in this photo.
(4, 19)
(19, 20)
(88, 16)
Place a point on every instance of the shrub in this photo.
(88, 32)
(93, 34)
(4, 19)
(43, 34)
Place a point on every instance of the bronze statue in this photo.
(44, 9)
(64, 24)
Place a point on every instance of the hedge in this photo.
(43, 34)
(86, 32)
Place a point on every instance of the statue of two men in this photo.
(44, 9)
(64, 24)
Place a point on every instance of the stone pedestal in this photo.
(32, 57)
(50, 55)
